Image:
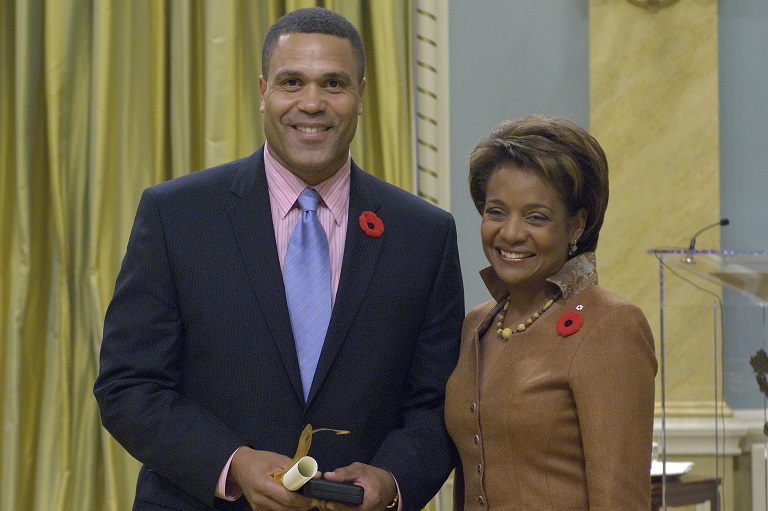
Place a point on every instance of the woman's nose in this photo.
(513, 230)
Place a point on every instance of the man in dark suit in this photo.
(199, 375)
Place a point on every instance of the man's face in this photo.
(311, 101)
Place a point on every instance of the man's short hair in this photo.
(313, 20)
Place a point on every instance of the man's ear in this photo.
(362, 89)
(262, 91)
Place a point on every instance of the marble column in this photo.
(654, 109)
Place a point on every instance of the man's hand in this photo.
(380, 487)
(254, 472)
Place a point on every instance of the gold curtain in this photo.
(98, 100)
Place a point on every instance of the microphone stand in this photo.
(688, 259)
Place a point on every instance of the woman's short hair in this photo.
(560, 153)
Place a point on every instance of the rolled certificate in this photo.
(301, 472)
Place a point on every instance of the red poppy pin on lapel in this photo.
(371, 224)
(569, 323)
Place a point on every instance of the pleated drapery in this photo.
(98, 100)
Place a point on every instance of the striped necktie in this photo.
(307, 279)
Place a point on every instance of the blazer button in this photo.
(479, 468)
(476, 439)
(481, 500)
(472, 407)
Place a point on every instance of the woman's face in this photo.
(526, 229)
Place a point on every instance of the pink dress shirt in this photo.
(333, 213)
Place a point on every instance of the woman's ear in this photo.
(578, 224)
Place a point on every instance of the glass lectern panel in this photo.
(712, 342)
(743, 272)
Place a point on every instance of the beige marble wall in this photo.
(654, 109)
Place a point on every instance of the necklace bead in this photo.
(506, 333)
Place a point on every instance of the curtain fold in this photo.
(98, 100)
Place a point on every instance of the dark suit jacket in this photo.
(198, 355)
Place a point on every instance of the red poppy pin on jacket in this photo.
(569, 323)
(371, 224)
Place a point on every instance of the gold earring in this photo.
(572, 249)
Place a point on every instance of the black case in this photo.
(346, 493)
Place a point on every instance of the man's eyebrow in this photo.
(331, 75)
(288, 73)
(338, 75)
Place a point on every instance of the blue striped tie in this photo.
(307, 278)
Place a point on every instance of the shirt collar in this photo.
(576, 274)
(285, 187)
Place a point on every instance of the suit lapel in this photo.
(361, 255)
(251, 218)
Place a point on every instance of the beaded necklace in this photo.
(506, 333)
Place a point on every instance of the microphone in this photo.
(722, 221)
(689, 258)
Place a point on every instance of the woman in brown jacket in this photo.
(551, 403)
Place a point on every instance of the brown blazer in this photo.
(561, 423)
